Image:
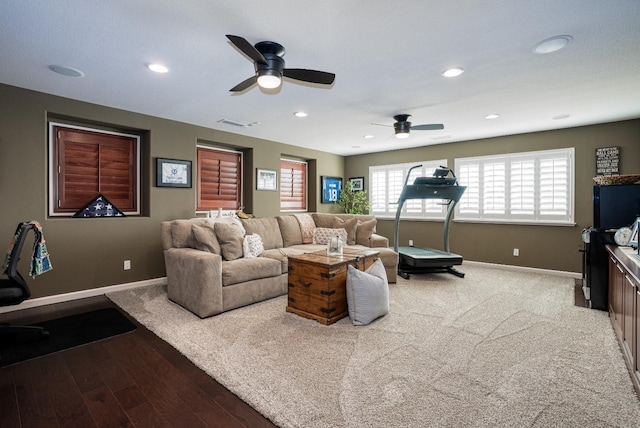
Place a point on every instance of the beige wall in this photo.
(546, 247)
(89, 253)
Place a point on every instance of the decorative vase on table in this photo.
(334, 246)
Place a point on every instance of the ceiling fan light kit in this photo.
(269, 79)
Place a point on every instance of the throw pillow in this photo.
(226, 220)
(230, 237)
(348, 225)
(252, 246)
(181, 233)
(364, 231)
(367, 293)
(205, 239)
(321, 235)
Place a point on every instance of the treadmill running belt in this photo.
(419, 257)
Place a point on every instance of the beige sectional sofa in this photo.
(207, 275)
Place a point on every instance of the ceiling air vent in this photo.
(238, 124)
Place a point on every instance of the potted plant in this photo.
(353, 201)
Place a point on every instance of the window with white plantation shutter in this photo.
(493, 188)
(219, 179)
(386, 183)
(293, 185)
(87, 162)
(531, 187)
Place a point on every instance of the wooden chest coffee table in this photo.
(317, 283)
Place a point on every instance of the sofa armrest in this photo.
(378, 241)
(194, 280)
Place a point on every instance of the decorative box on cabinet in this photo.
(317, 283)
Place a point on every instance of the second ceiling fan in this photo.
(403, 126)
(268, 62)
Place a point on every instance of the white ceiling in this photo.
(388, 57)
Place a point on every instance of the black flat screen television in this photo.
(615, 206)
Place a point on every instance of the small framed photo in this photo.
(173, 173)
(331, 188)
(357, 184)
(266, 179)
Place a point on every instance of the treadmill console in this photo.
(450, 181)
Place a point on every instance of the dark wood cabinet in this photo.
(637, 355)
(615, 296)
(624, 306)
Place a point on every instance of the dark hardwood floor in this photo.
(131, 380)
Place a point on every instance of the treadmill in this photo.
(443, 185)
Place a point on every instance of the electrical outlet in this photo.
(127, 264)
(411, 242)
(516, 252)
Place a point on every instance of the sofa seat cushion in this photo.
(267, 228)
(242, 270)
(280, 255)
(305, 248)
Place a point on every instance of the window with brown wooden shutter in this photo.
(293, 185)
(219, 178)
(87, 163)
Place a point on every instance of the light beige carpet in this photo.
(497, 348)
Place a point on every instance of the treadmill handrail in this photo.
(452, 192)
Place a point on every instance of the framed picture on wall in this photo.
(266, 179)
(173, 173)
(357, 184)
(331, 188)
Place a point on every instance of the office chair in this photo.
(14, 289)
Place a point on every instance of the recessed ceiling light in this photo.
(552, 44)
(66, 71)
(300, 114)
(492, 116)
(367, 137)
(158, 68)
(561, 116)
(453, 72)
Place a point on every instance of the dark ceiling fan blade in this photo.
(248, 49)
(245, 84)
(429, 127)
(311, 76)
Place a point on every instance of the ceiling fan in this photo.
(403, 126)
(269, 65)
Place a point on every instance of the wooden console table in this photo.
(624, 306)
(317, 283)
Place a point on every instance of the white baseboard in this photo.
(575, 275)
(58, 298)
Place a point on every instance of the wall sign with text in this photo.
(608, 161)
